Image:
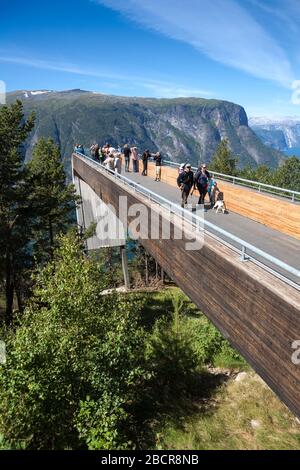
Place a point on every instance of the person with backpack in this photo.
(80, 149)
(206, 171)
(102, 155)
(185, 181)
(127, 153)
(201, 182)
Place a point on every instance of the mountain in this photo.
(282, 133)
(182, 128)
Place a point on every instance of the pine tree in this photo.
(53, 200)
(14, 235)
(223, 160)
(288, 174)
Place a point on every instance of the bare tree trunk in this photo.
(162, 275)
(51, 232)
(146, 270)
(18, 291)
(156, 270)
(51, 236)
(9, 287)
(125, 267)
(109, 257)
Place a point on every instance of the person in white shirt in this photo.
(118, 163)
(110, 162)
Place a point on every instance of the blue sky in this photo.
(244, 51)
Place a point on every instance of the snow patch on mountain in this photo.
(40, 92)
(27, 93)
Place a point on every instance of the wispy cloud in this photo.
(173, 91)
(158, 88)
(60, 67)
(222, 29)
(286, 19)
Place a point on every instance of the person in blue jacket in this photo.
(79, 148)
(212, 191)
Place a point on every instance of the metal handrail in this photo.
(246, 249)
(249, 183)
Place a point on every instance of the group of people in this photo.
(111, 158)
(132, 154)
(188, 181)
(107, 155)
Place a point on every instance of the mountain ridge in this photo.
(181, 128)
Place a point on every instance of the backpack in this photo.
(185, 178)
(202, 180)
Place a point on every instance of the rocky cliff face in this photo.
(182, 129)
(281, 134)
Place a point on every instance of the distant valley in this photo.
(281, 134)
(182, 129)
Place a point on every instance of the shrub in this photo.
(171, 360)
(74, 362)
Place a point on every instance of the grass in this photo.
(242, 415)
(220, 412)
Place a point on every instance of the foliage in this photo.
(223, 160)
(14, 227)
(4, 445)
(143, 268)
(171, 359)
(287, 175)
(83, 371)
(52, 200)
(35, 203)
(207, 344)
(75, 356)
(261, 173)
